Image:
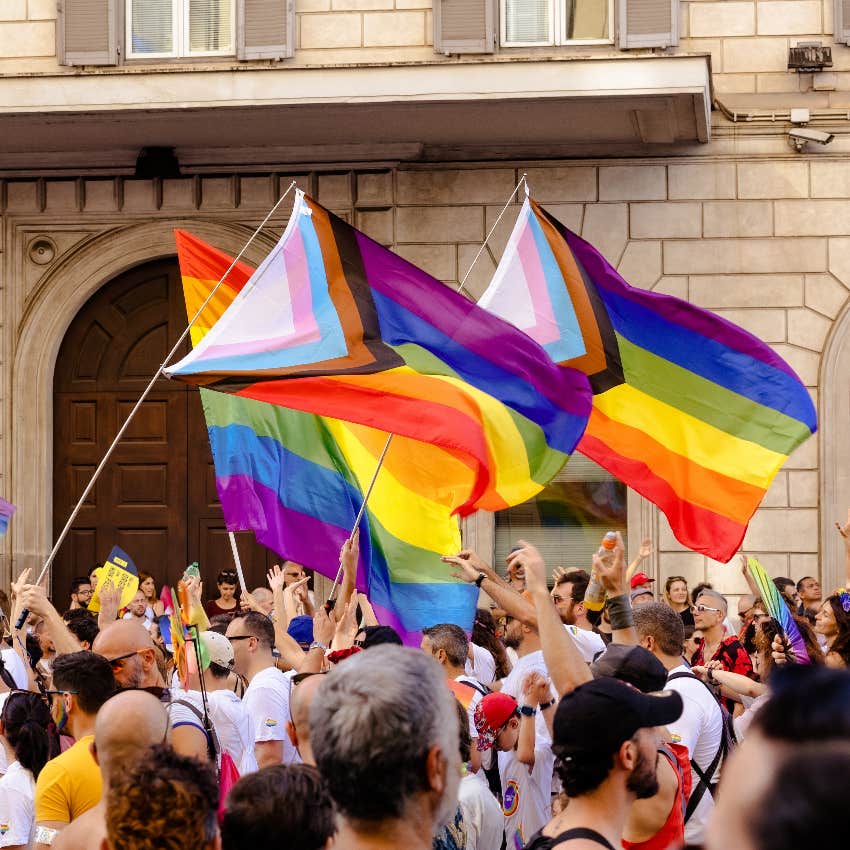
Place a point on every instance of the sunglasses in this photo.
(232, 638)
(701, 609)
(117, 663)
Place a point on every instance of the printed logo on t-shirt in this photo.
(519, 839)
(510, 798)
(4, 828)
(676, 739)
(270, 721)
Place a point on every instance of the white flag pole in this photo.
(236, 561)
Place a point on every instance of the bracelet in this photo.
(711, 675)
(620, 612)
(544, 705)
(527, 711)
(480, 580)
(316, 645)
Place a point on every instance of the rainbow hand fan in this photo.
(777, 609)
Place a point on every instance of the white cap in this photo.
(218, 648)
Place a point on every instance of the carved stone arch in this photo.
(834, 448)
(63, 291)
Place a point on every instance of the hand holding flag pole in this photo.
(100, 467)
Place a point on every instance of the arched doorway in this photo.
(156, 498)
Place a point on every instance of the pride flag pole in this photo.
(100, 467)
(236, 560)
(522, 180)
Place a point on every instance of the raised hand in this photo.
(612, 572)
(844, 530)
(465, 570)
(535, 567)
(645, 549)
(536, 689)
(323, 626)
(350, 551)
(275, 578)
(18, 585)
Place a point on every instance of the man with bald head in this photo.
(298, 728)
(129, 649)
(125, 727)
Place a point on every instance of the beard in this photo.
(643, 782)
(511, 642)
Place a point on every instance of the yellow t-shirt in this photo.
(68, 785)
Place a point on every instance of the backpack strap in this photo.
(583, 832)
(213, 746)
(705, 777)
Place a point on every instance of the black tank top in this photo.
(539, 841)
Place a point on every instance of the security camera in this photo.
(799, 136)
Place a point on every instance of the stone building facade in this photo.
(716, 208)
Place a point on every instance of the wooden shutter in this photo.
(264, 29)
(464, 26)
(87, 32)
(842, 21)
(647, 23)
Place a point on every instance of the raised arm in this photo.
(348, 557)
(536, 690)
(612, 575)
(35, 599)
(751, 582)
(563, 660)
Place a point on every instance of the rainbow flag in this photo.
(691, 411)
(7, 509)
(297, 480)
(334, 324)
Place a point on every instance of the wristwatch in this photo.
(527, 711)
(480, 579)
(544, 705)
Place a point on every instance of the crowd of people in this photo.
(652, 721)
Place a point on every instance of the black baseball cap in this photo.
(598, 716)
(632, 664)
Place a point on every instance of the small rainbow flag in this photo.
(333, 323)
(7, 509)
(691, 411)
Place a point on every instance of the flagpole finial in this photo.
(525, 183)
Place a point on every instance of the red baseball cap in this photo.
(491, 715)
(639, 579)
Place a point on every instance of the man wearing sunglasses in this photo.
(71, 784)
(709, 614)
(130, 651)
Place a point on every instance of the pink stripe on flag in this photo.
(546, 329)
(297, 271)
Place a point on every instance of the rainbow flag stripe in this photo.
(297, 481)
(690, 410)
(7, 509)
(334, 324)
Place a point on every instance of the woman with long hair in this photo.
(147, 585)
(29, 738)
(484, 635)
(833, 622)
(676, 596)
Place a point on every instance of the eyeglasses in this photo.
(51, 694)
(117, 663)
(701, 609)
(85, 592)
(232, 638)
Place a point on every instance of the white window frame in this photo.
(557, 26)
(179, 35)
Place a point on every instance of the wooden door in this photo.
(156, 496)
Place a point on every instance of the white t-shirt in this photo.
(182, 715)
(700, 729)
(482, 814)
(233, 728)
(482, 666)
(267, 700)
(512, 685)
(526, 795)
(17, 806)
(588, 643)
(16, 668)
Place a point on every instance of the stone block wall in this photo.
(765, 243)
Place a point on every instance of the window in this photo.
(159, 29)
(542, 23)
(568, 519)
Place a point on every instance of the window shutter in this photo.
(648, 23)
(842, 21)
(87, 32)
(264, 29)
(464, 26)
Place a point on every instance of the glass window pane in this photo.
(210, 26)
(153, 26)
(587, 19)
(527, 20)
(568, 519)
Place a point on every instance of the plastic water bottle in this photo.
(594, 597)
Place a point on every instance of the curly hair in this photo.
(841, 645)
(288, 800)
(164, 801)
